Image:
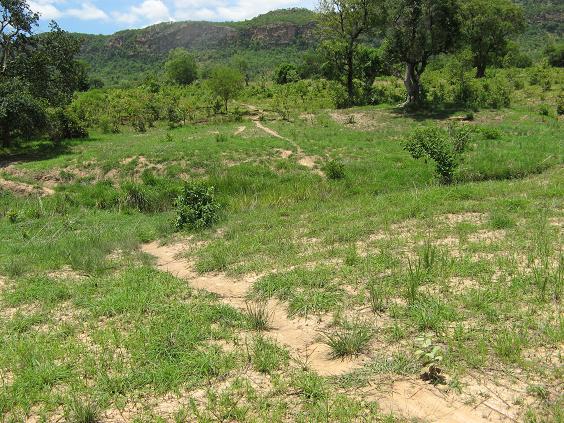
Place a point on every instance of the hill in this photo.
(262, 41)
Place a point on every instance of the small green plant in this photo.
(267, 357)
(310, 386)
(135, 196)
(544, 110)
(221, 138)
(83, 412)
(12, 215)
(415, 278)
(350, 120)
(197, 207)
(430, 356)
(501, 220)
(334, 169)
(258, 316)
(350, 340)
(560, 104)
(378, 297)
(428, 255)
(444, 146)
(489, 133)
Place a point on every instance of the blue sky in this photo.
(108, 16)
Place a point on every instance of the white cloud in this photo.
(87, 12)
(229, 10)
(151, 11)
(46, 8)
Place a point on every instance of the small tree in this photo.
(418, 30)
(344, 22)
(21, 114)
(487, 27)
(444, 146)
(181, 67)
(286, 73)
(226, 83)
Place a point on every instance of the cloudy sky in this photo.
(108, 16)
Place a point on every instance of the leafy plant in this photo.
(197, 207)
(430, 356)
(444, 146)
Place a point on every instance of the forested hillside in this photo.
(263, 42)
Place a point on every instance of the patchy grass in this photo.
(90, 330)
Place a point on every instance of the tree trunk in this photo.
(5, 136)
(480, 70)
(412, 85)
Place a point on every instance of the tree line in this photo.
(412, 32)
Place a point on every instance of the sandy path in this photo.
(300, 335)
(411, 398)
(303, 159)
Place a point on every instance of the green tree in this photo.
(181, 67)
(488, 26)
(286, 73)
(418, 30)
(343, 22)
(242, 65)
(48, 63)
(21, 114)
(226, 83)
(555, 54)
(16, 25)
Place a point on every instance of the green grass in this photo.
(88, 325)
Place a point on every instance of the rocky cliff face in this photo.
(159, 39)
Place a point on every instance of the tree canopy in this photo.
(181, 67)
(488, 24)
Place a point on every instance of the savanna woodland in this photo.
(352, 214)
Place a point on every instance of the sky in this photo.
(109, 16)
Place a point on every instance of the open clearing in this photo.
(307, 299)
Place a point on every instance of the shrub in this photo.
(544, 110)
(489, 133)
(197, 207)
(286, 73)
(560, 104)
(334, 170)
(64, 124)
(350, 340)
(444, 146)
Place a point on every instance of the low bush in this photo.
(64, 124)
(197, 207)
(444, 146)
(334, 170)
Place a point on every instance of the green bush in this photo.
(544, 110)
(286, 73)
(197, 207)
(334, 169)
(64, 124)
(444, 146)
(560, 104)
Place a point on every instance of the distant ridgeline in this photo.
(264, 42)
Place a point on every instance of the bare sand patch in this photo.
(20, 188)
